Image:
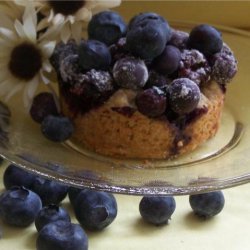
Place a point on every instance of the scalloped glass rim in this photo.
(220, 163)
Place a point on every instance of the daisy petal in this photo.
(43, 24)
(30, 13)
(109, 3)
(7, 34)
(29, 92)
(14, 90)
(52, 32)
(44, 79)
(58, 19)
(19, 28)
(29, 25)
(6, 86)
(83, 14)
(47, 66)
(76, 30)
(65, 33)
(48, 48)
(32, 87)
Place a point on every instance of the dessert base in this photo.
(117, 129)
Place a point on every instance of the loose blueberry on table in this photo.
(50, 213)
(50, 191)
(73, 193)
(95, 210)
(207, 205)
(157, 210)
(16, 176)
(62, 235)
(19, 206)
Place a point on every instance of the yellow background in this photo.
(231, 13)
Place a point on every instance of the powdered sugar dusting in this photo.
(69, 68)
(130, 72)
(194, 66)
(224, 65)
(179, 39)
(185, 91)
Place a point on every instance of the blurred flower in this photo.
(24, 58)
(68, 16)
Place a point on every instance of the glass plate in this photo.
(220, 163)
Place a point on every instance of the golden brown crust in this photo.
(113, 133)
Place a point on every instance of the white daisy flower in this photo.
(24, 58)
(69, 15)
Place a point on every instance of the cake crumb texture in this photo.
(110, 132)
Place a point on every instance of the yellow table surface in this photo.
(228, 231)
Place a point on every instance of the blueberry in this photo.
(98, 84)
(63, 50)
(168, 62)
(224, 65)
(206, 39)
(5, 115)
(94, 55)
(147, 35)
(91, 90)
(50, 213)
(73, 193)
(119, 50)
(93, 87)
(62, 235)
(57, 128)
(70, 69)
(16, 176)
(107, 27)
(153, 18)
(157, 210)
(50, 191)
(130, 73)
(43, 105)
(184, 95)
(207, 205)
(157, 80)
(194, 65)
(19, 206)
(179, 39)
(95, 210)
(151, 102)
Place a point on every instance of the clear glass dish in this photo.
(220, 163)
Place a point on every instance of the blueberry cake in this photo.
(143, 89)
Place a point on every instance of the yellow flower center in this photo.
(25, 61)
(66, 7)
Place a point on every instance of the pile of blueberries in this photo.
(31, 199)
(166, 67)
